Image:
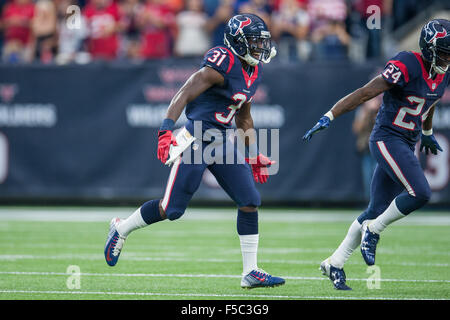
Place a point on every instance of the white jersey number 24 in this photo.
(400, 118)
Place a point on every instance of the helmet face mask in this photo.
(249, 38)
(442, 61)
(259, 47)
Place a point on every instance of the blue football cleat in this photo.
(336, 275)
(259, 278)
(114, 243)
(369, 243)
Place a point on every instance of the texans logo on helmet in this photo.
(236, 24)
(432, 33)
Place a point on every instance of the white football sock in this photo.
(390, 215)
(132, 223)
(249, 249)
(345, 249)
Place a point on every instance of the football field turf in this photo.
(198, 256)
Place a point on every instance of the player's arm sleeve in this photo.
(396, 71)
(220, 59)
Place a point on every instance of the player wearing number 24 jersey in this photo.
(407, 104)
(412, 84)
(220, 91)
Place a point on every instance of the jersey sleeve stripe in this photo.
(402, 68)
(230, 65)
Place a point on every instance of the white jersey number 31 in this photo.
(240, 99)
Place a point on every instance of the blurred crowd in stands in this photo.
(80, 31)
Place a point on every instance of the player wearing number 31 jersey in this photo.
(217, 106)
(219, 92)
(412, 84)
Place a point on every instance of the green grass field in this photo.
(198, 257)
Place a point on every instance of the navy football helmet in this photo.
(434, 42)
(249, 38)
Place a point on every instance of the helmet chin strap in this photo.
(253, 62)
(273, 53)
(437, 69)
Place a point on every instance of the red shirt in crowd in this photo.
(103, 43)
(22, 14)
(157, 39)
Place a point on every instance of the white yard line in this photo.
(192, 295)
(174, 249)
(103, 214)
(174, 275)
(140, 257)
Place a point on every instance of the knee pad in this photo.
(407, 203)
(424, 195)
(174, 214)
(252, 200)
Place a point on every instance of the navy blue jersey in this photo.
(217, 106)
(406, 105)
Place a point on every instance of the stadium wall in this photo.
(89, 133)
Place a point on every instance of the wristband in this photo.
(427, 132)
(329, 114)
(167, 124)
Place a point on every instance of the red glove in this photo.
(165, 139)
(259, 167)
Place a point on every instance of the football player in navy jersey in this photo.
(222, 89)
(412, 84)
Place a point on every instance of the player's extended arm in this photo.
(427, 140)
(199, 82)
(258, 162)
(348, 103)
